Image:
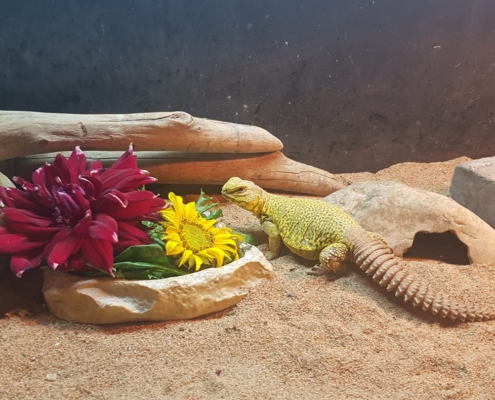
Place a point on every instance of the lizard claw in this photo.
(319, 271)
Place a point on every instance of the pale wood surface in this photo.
(25, 133)
(269, 170)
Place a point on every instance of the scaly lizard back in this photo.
(314, 230)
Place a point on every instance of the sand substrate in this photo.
(295, 337)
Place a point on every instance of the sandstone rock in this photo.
(398, 212)
(473, 186)
(107, 301)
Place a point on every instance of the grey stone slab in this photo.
(473, 186)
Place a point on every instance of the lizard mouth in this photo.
(226, 196)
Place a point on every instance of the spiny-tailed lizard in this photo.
(316, 230)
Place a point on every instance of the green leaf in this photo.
(204, 205)
(156, 231)
(159, 241)
(246, 237)
(145, 262)
(141, 253)
(147, 270)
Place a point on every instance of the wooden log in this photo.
(269, 170)
(25, 133)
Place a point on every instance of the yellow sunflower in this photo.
(195, 239)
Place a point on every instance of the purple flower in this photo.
(72, 218)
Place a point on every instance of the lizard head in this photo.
(245, 194)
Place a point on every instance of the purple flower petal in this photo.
(111, 200)
(14, 243)
(52, 179)
(13, 197)
(130, 235)
(76, 263)
(138, 203)
(21, 263)
(19, 216)
(78, 195)
(158, 204)
(82, 227)
(64, 170)
(69, 208)
(34, 233)
(43, 197)
(153, 217)
(99, 254)
(62, 246)
(126, 160)
(38, 193)
(104, 227)
(38, 176)
(95, 165)
(125, 179)
(91, 184)
(77, 161)
(25, 185)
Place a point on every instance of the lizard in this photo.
(316, 230)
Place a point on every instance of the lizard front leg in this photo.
(274, 239)
(333, 260)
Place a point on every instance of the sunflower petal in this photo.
(177, 203)
(190, 212)
(224, 241)
(197, 261)
(217, 254)
(208, 223)
(173, 248)
(185, 257)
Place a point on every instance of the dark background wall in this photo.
(347, 85)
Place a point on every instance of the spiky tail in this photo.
(377, 260)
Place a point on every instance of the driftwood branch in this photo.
(269, 170)
(26, 133)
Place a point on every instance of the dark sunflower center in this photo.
(195, 237)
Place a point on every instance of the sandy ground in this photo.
(295, 337)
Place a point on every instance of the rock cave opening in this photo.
(445, 247)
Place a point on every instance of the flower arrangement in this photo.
(99, 221)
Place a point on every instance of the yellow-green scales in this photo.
(303, 234)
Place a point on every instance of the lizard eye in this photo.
(239, 190)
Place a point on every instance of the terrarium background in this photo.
(346, 85)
